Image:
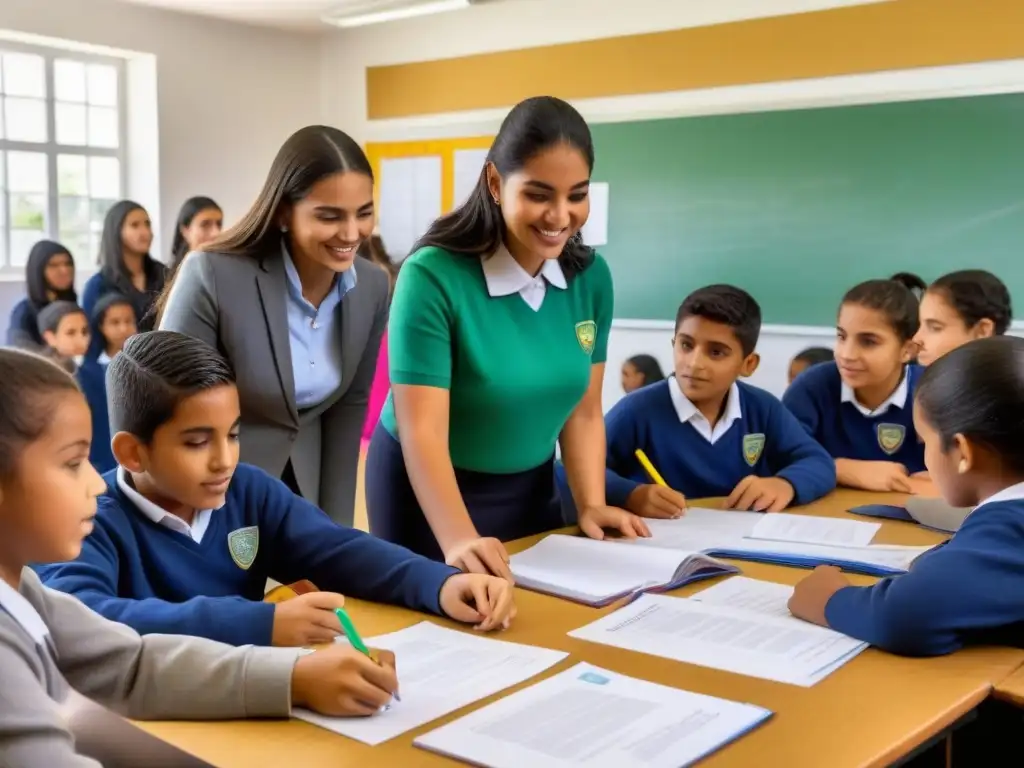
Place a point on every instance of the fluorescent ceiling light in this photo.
(403, 11)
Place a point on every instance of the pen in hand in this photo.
(349, 628)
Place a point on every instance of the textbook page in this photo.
(439, 670)
(784, 649)
(587, 716)
(766, 597)
(809, 529)
(701, 529)
(890, 556)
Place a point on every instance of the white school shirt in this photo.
(504, 277)
(897, 398)
(688, 412)
(200, 521)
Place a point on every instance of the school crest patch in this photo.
(586, 335)
(891, 437)
(243, 545)
(753, 447)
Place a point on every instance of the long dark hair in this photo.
(111, 256)
(477, 227)
(976, 295)
(893, 298)
(189, 209)
(648, 367)
(35, 274)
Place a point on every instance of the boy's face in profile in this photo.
(117, 326)
(71, 339)
(708, 359)
(192, 457)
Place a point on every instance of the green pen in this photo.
(349, 628)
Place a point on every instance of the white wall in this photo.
(227, 94)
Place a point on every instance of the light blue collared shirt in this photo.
(315, 337)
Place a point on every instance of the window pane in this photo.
(102, 85)
(25, 119)
(69, 80)
(70, 121)
(24, 75)
(28, 211)
(102, 127)
(105, 177)
(78, 244)
(71, 175)
(22, 241)
(74, 214)
(99, 210)
(26, 172)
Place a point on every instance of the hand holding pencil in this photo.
(656, 500)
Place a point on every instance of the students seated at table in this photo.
(859, 407)
(50, 642)
(958, 308)
(186, 537)
(706, 433)
(969, 412)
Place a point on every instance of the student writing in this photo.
(859, 407)
(50, 642)
(707, 433)
(186, 538)
(958, 308)
(969, 412)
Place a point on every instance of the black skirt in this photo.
(502, 506)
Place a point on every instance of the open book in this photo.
(802, 541)
(598, 573)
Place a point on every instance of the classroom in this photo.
(511, 382)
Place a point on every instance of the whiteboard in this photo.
(410, 200)
(468, 164)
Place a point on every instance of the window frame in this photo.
(84, 263)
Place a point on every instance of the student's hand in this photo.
(482, 555)
(593, 521)
(656, 501)
(813, 593)
(479, 599)
(760, 494)
(882, 476)
(342, 682)
(307, 620)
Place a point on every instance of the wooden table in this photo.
(872, 711)
(1012, 689)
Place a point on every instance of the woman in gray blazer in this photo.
(284, 297)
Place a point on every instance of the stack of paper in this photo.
(595, 573)
(803, 541)
(439, 670)
(757, 640)
(587, 716)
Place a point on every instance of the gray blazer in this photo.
(238, 305)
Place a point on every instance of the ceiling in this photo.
(295, 14)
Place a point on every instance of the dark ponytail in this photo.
(893, 298)
(976, 295)
(477, 227)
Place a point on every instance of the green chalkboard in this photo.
(798, 206)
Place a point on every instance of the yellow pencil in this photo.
(649, 468)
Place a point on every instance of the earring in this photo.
(496, 202)
(962, 466)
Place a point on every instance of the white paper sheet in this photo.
(439, 670)
(701, 529)
(810, 529)
(410, 200)
(595, 231)
(468, 164)
(765, 597)
(590, 717)
(746, 642)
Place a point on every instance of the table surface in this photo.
(1012, 688)
(876, 708)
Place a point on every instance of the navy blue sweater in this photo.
(23, 328)
(647, 419)
(815, 398)
(157, 580)
(92, 378)
(965, 592)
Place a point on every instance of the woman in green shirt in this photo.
(497, 343)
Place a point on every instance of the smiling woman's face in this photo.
(328, 225)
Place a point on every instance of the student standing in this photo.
(125, 264)
(200, 220)
(300, 319)
(860, 406)
(497, 349)
(969, 412)
(49, 276)
(961, 307)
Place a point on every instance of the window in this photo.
(61, 150)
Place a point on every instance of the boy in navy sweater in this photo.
(186, 538)
(859, 407)
(706, 433)
(970, 414)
